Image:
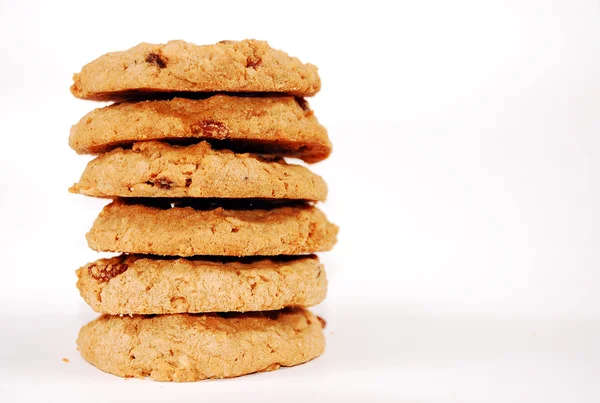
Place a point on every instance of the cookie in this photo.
(188, 347)
(156, 169)
(282, 126)
(178, 66)
(133, 284)
(188, 231)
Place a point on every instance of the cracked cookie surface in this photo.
(188, 347)
(134, 284)
(178, 66)
(186, 231)
(156, 169)
(284, 126)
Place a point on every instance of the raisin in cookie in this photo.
(283, 126)
(137, 284)
(156, 169)
(178, 66)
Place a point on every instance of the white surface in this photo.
(465, 178)
(371, 356)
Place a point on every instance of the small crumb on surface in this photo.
(65, 360)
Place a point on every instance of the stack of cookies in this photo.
(216, 231)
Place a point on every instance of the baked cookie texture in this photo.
(130, 284)
(156, 169)
(285, 126)
(206, 213)
(178, 66)
(186, 231)
(187, 347)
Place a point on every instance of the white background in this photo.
(465, 178)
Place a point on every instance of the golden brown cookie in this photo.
(188, 231)
(188, 347)
(178, 66)
(135, 284)
(155, 169)
(283, 126)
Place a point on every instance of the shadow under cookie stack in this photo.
(216, 231)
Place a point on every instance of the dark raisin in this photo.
(210, 128)
(158, 60)
(253, 62)
(106, 272)
(162, 183)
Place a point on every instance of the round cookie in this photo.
(283, 125)
(130, 284)
(188, 231)
(155, 169)
(178, 66)
(187, 347)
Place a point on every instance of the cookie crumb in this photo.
(65, 360)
